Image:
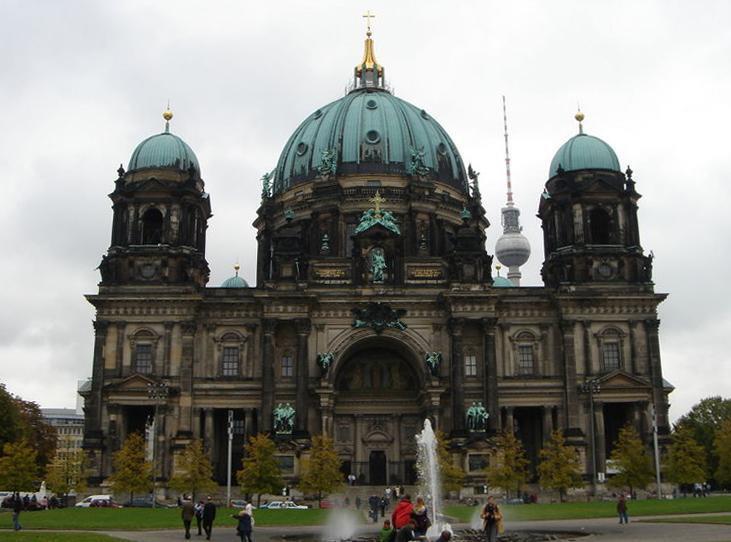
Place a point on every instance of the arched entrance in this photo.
(379, 406)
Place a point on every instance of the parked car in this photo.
(284, 505)
(239, 503)
(145, 502)
(97, 501)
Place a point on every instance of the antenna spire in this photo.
(507, 155)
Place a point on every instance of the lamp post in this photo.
(591, 387)
(228, 463)
(159, 393)
(657, 452)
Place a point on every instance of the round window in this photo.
(442, 148)
(317, 114)
(371, 104)
(372, 136)
(301, 149)
(424, 114)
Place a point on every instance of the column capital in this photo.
(488, 325)
(189, 327)
(303, 326)
(653, 324)
(567, 326)
(456, 325)
(120, 324)
(269, 326)
(100, 326)
(168, 325)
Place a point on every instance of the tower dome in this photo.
(163, 150)
(236, 281)
(369, 130)
(584, 151)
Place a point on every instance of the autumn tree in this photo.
(452, 475)
(67, 472)
(18, 467)
(132, 472)
(686, 459)
(560, 466)
(195, 472)
(631, 460)
(321, 472)
(37, 432)
(705, 419)
(722, 448)
(508, 466)
(260, 472)
(10, 429)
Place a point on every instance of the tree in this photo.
(705, 419)
(686, 459)
(10, 429)
(67, 472)
(452, 475)
(560, 467)
(132, 472)
(37, 432)
(631, 460)
(508, 467)
(722, 448)
(18, 468)
(260, 472)
(195, 472)
(322, 470)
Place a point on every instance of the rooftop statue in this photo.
(378, 265)
(267, 185)
(325, 361)
(477, 417)
(376, 215)
(433, 361)
(283, 419)
(328, 162)
(417, 166)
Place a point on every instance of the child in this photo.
(387, 534)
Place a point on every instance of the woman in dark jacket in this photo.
(244, 527)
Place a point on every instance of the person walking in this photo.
(420, 517)
(245, 525)
(209, 514)
(186, 513)
(402, 513)
(17, 509)
(492, 519)
(622, 509)
(199, 516)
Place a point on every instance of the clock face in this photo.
(148, 271)
(605, 270)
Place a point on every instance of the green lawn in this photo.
(131, 519)
(720, 520)
(580, 510)
(25, 536)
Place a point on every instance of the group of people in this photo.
(203, 512)
(408, 522)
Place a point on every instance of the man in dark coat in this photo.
(186, 513)
(17, 508)
(209, 514)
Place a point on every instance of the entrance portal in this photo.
(377, 468)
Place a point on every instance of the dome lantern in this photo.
(369, 73)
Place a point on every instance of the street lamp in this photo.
(158, 392)
(591, 387)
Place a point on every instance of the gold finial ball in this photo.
(167, 115)
(579, 116)
(237, 267)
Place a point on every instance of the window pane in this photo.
(470, 365)
(287, 366)
(230, 361)
(525, 359)
(610, 356)
(143, 358)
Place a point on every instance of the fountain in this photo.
(427, 464)
(341, 525)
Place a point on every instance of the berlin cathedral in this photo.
(375, 305)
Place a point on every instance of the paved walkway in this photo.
(603, 530)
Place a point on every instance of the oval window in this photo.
(301, 149)
(424, 114)
(372, 136)
(371, 104)
(317, 114)
(442, 148)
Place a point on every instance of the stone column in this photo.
(196, 423)
(185, 401)
(167, 348)
(633, 347)
(509, 420)
(601, 441)
(547, 422)
(489, 382)
(93, 434)
(267, 374)
(571, 403)
(119, 354)
(208, 431)
(588, 364)
(303, 328)
(456, 326)
(658, 394)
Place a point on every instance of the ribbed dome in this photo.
(163, 150)
(234, 282)
(501, 282)
(373, 132)
(584, 152)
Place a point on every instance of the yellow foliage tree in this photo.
(321, 472)
(195, 472)
(508, 467)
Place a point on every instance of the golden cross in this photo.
(376, 201)
(367, 16)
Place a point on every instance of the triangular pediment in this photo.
(135, 382)
(622, 379)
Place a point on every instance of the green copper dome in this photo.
(369, 131)
(163, 150)
(234, 282)
(584, 152)
(502, 282)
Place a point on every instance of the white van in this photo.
(98, 500)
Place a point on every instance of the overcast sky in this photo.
(81, 83)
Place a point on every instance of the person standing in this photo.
(622, 509)
(492, 519)
(401, 515)
(17, 509)
(420, 517)
(199, 516)
(209, 514)
(187, 512)
(245, 526)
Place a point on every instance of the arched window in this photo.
(525, 352)
(143, 344)
(610, 349)
(232, 355)
(152, 227)
(600, 224)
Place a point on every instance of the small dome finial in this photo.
(579, 116)
(498, 267)
(369, 73)
(167, 115)
(236, 268)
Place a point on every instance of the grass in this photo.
(25, 536)
(136, 519)
(719, 520)
(599, 509)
